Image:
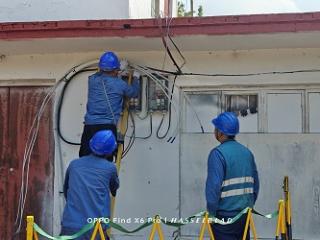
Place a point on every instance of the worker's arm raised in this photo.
(133, 90)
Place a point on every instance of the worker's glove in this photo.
(136, 74)
(124, 65)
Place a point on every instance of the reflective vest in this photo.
(237, 187)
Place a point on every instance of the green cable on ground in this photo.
(180, 223)
(124, 230)
(213, 219)
(83, 230)
(183, 222)
(269, 216)
(229, 220)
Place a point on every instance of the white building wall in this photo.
(37, 10)
(55, 10)
(140, 9)
(158, 177)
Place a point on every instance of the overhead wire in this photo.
(233, 75)
(164, 42)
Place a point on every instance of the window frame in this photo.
(262, 93)
(185, 103)
(302, 104)
(307, 107)
(243, 92)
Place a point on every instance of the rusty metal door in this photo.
(18, 107)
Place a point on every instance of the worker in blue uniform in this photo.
(88, 183)
(105, 98)
(232, 181)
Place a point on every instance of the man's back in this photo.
(87, 186)
(105, 91)
(237, 190)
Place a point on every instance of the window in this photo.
(284, 112)
(314, 112)
(246, 108)
(261, 110)
(206, 105)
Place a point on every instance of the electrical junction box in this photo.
(151, 97)
(157, 99)
(135, 104)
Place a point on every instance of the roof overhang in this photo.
(301, 30)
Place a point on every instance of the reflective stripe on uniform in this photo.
(238, 180)
(236, 192)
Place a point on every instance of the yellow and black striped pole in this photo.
(287, 207)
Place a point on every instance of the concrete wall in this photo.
(158, 177)
(35, 10)
(140, 9)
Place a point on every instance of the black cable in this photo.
(60, 104)
(169, 123)
(234, 75)
(178, 50)
(167, 48)
(132, 138)
(150, 132)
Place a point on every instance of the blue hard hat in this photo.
(103, 143)
(109, 61)
(227, 123)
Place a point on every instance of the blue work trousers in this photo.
(232, 231)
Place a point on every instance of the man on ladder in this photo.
(105, 98)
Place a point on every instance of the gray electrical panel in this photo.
(157, 99)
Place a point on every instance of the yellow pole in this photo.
(101, 232)
(206, 223)
(209, 228)
(35, 235)
(279, 220)
(253, 228)
(153, 231)
(156, 227)
(96, 228)
(161, 237)
(30, 222)
(123, 129)
(287, 207)
(283, 222)
(203, 228)
(247, 225)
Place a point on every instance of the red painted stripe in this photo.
(220, 25)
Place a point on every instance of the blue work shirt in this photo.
(98, 108)
(217, 167)
(88, 183)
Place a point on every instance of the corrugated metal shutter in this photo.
(18, 106)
